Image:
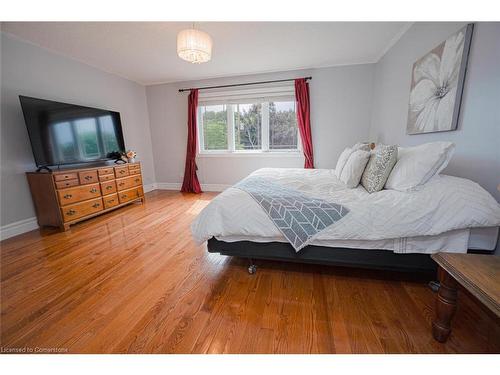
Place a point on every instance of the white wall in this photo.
(33, 71)
(340, 116)
(477, 154)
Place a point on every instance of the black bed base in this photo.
(361, 258)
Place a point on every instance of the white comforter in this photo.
(443, 204)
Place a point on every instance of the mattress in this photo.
(452, 242)
(446, 214)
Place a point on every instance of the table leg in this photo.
(446, 306)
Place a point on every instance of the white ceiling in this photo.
(145, 52)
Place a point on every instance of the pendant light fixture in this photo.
(194, 46)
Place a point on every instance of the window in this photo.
(252, 126)
(214, 123)
(248, 127)
(282, 126)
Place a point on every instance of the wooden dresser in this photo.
(66, 197)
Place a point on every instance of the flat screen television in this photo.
(62, 133)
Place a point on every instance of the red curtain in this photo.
(191, 183)
(303, 120)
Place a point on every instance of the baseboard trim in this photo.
(214, 187)
(150, 187)
(18, 227)
(177, 186)
(168, 186)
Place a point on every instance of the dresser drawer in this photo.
(128, 182)
(77, 194)
(131, 194)
(108, 187)
(107, 177)
(134, 166)
(79, 210)
(134, 171)
(121, 171)
(88, 177)
(136, 180)
(65, 176)
(67, 183)
(103, 171)
(110, 201)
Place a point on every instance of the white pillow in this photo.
(342, 160)
(353, 169)
(417, 165)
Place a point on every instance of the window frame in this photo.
(230, 99)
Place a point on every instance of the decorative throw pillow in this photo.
(361, 146)
(353, 169)
(380, 165)
(342, 160)
(417, 165)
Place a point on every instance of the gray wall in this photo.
(477, 153)
(30, 70)
(340, 116)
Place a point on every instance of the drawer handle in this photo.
(122, 171)
(121, 183)
(109, 187)
(137, 180)
(111, 201)
(67, 196)
(71, 212)
(95, 205)
(124, 196)
(88, 177)
(93, 190)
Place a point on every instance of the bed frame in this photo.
(333, 256)
(338, 256)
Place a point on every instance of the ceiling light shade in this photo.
(194, 46)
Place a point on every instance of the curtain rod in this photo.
(240, 84)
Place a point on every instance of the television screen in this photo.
(62, 133)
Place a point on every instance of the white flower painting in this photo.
(437, 83)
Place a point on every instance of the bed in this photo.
(386, 230)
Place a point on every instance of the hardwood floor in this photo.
(133, 281)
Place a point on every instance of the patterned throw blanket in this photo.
(298, 216)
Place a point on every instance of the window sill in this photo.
(250, 154)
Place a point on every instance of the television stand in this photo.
(66, 197)
(39, 169)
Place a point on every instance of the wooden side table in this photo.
(478, 274)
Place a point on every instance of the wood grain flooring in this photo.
(133, 281)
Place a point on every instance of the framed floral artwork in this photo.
(437, 84)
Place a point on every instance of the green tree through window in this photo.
(246, 126)
(215, 127)
(282, 126)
